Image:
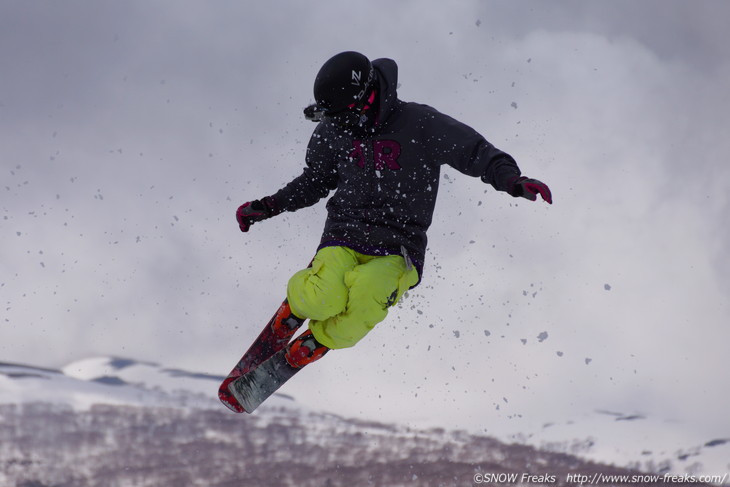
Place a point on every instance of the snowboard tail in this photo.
(255, 386)
(273, 339)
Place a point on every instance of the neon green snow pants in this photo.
(345, 294)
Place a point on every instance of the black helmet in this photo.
(345, 79)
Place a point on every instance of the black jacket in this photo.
(386, 182)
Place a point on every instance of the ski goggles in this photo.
(355, 114)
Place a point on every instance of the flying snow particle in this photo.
(513, 105)
(717, 442)
(542, 336)
(607, 287)
(457, 334)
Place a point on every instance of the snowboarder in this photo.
(381, 156)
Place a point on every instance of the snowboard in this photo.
(270, 342)
(255, 386)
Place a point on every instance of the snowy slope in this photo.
(111, 380)
(26, 384)
(627, 440)
(636, 440)
(146, 375)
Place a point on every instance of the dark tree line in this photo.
(42, 445)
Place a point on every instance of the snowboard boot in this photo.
(285, 323)
(304, 350)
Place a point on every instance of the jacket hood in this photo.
(387, 71)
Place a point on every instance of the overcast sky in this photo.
(131, 131)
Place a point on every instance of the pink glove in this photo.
(530, 188)
(255, 211)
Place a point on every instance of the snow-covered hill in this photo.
(115, 381)
(120, 395)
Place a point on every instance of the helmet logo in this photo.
(356, 76)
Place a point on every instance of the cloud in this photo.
(130, 134)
